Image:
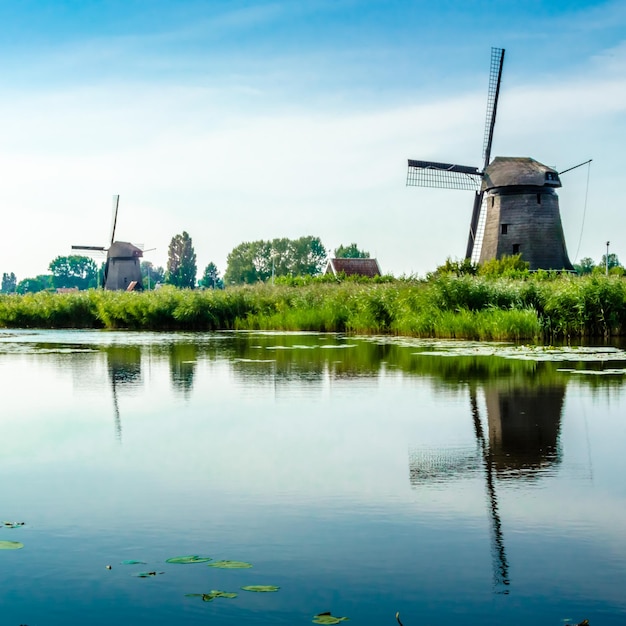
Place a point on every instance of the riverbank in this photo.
(463, 307)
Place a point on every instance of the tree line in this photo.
(247, 263)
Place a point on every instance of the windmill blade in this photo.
(500, 563)
(495, 77)
(96, 248)
(474, 240)
(116, 204)
(443, 175)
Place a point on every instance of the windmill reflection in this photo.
(522, 442)
(124, 369)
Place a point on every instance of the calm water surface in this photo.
(454, 483)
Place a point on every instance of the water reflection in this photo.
(291, 451)
(523, 423)
(183, 359)
(124, 369)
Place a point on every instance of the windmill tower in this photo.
(516, 208)
(121, 270)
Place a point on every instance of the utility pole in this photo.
(607, 257)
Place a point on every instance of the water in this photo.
(452, 482)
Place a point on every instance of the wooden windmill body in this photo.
(122, 270)
(516, 208)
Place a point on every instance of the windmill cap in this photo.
(519, 172)
(124, 250)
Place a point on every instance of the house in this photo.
(353, 267)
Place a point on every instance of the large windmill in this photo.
(121, 270)
(516, 210)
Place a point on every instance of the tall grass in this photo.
(465, 307)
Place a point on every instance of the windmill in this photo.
(516, 208)
(121, 270)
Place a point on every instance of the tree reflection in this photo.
(183, 358)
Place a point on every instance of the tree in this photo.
(9, 283)
(351, 252)
(181, 262)
(151, 275)
(74, 271)
(33, 285)
(613, 262)
(211, 278)
(251, 262)
(585, 266)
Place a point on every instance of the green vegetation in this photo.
(351, 252)
(181, 262)
(73, 272)
(258, 261)
(542, 306)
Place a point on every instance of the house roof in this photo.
(351, 267)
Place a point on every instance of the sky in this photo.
(245, 120)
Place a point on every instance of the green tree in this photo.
(33, 285)
(211, 278)
(151, 274)
(585, 266)
(9, 283)
(74, 271)
(181, 262)
(613, 262)
(351, 252)
(255, 261)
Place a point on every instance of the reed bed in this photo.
(538, 308)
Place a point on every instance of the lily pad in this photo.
(231, 564)
(260, 588)
(327, 618)
(214, 593)
(132, 562)
(11, 545)
(193, 558)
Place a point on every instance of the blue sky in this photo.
(238, 121)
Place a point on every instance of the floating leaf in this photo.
(261, 588)
(193, 558)
(147, 574)
(131, 562)
(328, 618)
(214, 593)
(11, 545)
(231, 564)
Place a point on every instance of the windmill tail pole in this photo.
(569, 169)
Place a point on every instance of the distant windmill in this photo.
(516, 210)
(121, 270)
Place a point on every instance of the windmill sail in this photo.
(443, 175)
(495, 77)
(116, 205)
(493, 94)
(450, 176)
